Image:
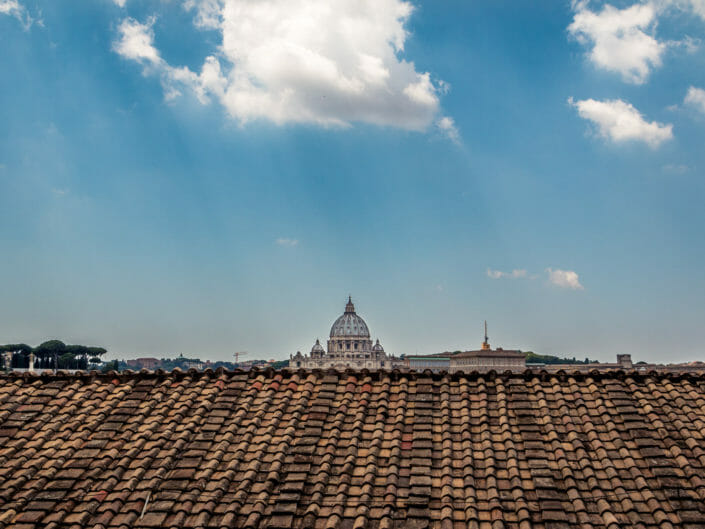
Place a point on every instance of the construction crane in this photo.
(238, 354)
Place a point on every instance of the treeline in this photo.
(54, 346)
(533, 358)
(54, 354)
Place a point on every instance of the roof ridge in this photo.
(376, 373)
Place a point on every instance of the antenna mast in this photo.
(486, 343)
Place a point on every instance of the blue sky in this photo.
(204, 177)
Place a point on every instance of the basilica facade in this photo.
(349, 345)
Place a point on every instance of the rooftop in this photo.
(352, 449)
(489, 353)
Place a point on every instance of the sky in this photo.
(204, 177)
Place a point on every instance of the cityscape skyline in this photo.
(171, 182)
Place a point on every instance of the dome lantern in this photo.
(317, 348)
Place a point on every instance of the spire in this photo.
(350, 308)
(486, 343)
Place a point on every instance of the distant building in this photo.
(349, 345)
(143, 363)
(481, 360)
(624, 361)
(437, 363)
(195, 364)
(487, 360)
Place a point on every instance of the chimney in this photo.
(8, 360)
(31, 361)
(625, 360)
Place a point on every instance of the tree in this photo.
(280, 364)
(12, 347)
(66, 361)
(77, 350)
(110, 366)
(51, 347)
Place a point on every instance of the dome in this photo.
(349, 324)
(317, 347)
(377, 348)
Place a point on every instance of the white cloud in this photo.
(136, 42)
(120, 3)
(448, 128)
(326, 62)
(619, 121)
(696, 7)
(207, 12)
(13, 8)
(289, 243)
(696, 98)
(564, 279)
(514, 274)
(622, 40)
(675, 168)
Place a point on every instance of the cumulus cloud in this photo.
(330, 63)
(13, 8)
(289, 243)
(564, 279)
(136, 42)
(696, 98)
(120, 3)
(514, 274)
(619, 121)
(620, 40)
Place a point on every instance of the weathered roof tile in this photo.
(352, 450)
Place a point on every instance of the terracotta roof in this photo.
(353, 450)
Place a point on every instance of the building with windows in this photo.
(437, 363)
(349, 345)
(481, 360)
